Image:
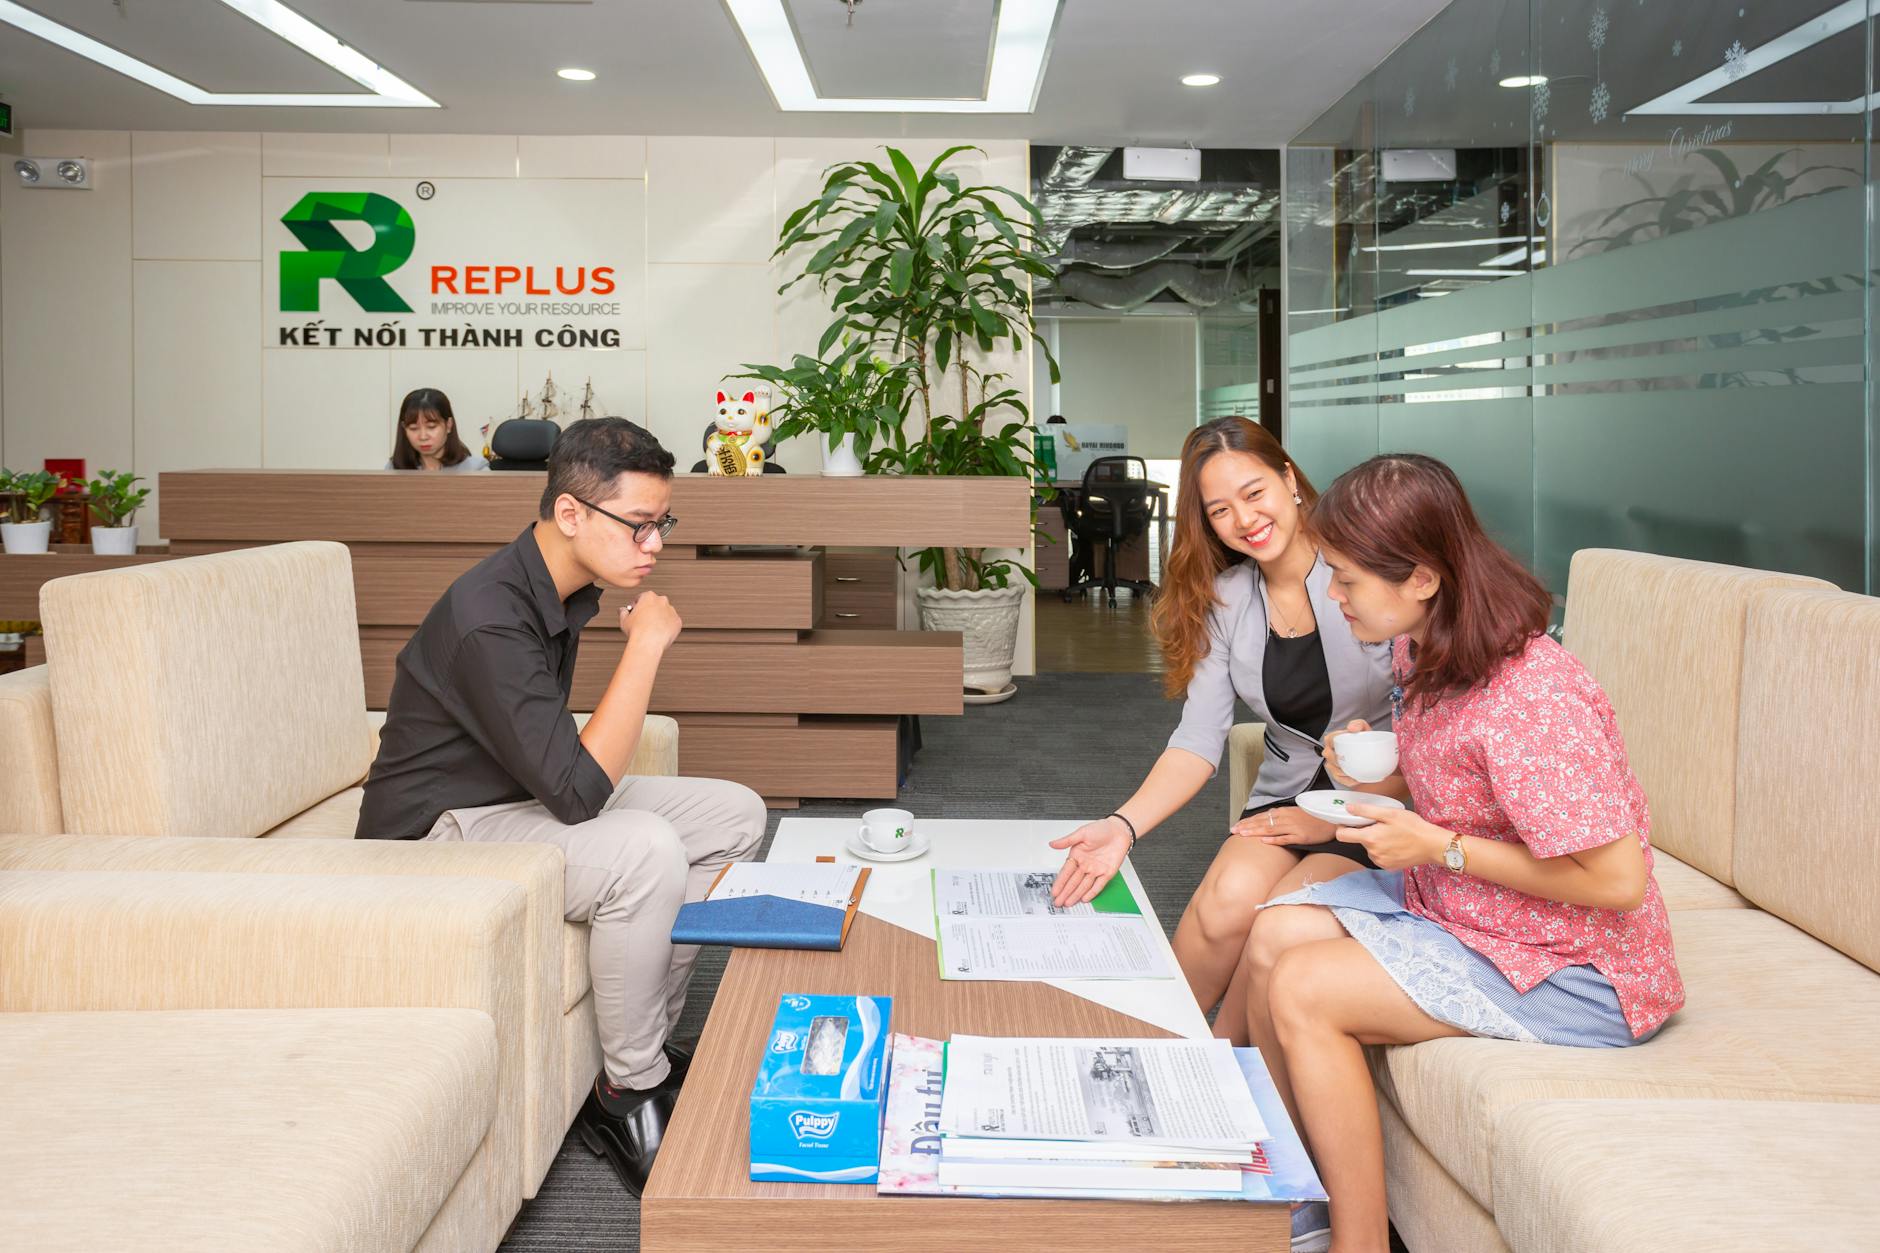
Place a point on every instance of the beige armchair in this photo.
(1246, 750)
(219, 701)
(238, 1062)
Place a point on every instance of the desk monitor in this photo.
(1080, 443)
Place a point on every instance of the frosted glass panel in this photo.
(1610, 260)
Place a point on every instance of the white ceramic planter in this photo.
(987, 621)
(114, 541)
(26, 537)
(839, 459)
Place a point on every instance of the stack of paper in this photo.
(1096, 1119)
(1001, 924)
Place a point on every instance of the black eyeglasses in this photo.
(642, 531)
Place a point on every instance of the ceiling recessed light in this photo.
(576, 76)
(1021, 43)
(1524, 80)
(384, 89)
(1200, 80)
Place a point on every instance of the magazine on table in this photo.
(1002, 925)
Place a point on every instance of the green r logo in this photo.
(360, 272)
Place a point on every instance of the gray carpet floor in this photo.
(1067, 746)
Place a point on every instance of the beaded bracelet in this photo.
(1132, 828)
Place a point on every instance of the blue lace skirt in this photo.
(1453, 983)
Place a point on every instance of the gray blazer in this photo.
(1237, 630)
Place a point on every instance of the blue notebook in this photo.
(767, 921)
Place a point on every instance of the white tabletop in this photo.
(901, 893)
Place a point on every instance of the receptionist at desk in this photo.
(426, 436)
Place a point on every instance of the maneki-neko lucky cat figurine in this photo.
(738, 440)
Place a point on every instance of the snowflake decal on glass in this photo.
(1543, 97)
(1601, 101)
(1543, 211)
(1449, 75)
(1494, 63)
(1677, 47)
(1507, 211)
(1596, 29)
(1409, 101)
(1735, 59)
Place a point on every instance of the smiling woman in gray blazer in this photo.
(1243, 611)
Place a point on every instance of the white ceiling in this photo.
(679, 67)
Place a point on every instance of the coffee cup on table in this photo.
(1367, 756)
(887, 830)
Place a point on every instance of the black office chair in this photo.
(523, 443)
(1114, 506)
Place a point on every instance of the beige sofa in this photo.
(230, 1062)
(221, 696)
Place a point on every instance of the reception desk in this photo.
(767, 690)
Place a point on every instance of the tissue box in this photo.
(816, 1106)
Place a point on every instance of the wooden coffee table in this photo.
(700, 1196)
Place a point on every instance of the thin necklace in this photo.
(1292, 632)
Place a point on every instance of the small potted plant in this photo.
(115, 500)
(26, 530)
(850, 401)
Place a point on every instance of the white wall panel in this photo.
(325, 409)
(325, 156)
(196, 195)
(710, 320)
(581, 156)
(198, 400)
(709, 199)
(66, 258)
(453, 156)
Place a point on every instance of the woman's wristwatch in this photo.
(1455, 857)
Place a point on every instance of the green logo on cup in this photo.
(360, 272)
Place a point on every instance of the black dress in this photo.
(1299, 694)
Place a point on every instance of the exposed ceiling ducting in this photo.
(1120, 244)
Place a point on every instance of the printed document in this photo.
(1001, 925)
(1169, 1092)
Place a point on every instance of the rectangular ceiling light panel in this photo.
(387, 90)
(1021, 42)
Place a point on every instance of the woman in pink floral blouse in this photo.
(1517, 899)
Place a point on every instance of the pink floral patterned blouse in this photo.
(1535, 755)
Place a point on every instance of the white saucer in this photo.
(1330, 806)
(916, 845)
(973, 696)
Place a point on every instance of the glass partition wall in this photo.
(1610, 259)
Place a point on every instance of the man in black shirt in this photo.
(479, 745)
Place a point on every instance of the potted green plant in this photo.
(851, 401)
(929, 271)
(115, 500)
(26, 530)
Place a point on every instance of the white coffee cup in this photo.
(887, 830)
(1367, 756)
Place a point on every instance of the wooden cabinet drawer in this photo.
(860, 589)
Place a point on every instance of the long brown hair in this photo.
(1182, 603)
(1404, 510)
(414, 406)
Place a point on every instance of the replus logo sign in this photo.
(359, 271)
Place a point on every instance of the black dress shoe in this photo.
(627, 1127)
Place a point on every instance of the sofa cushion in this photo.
(1772, 1014)
(29, 758)
(1686, 887)
(335, 818)
(217, 695)
(1810, 738)
(1688, 1176)
(242, 1129)
(1664, 637)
